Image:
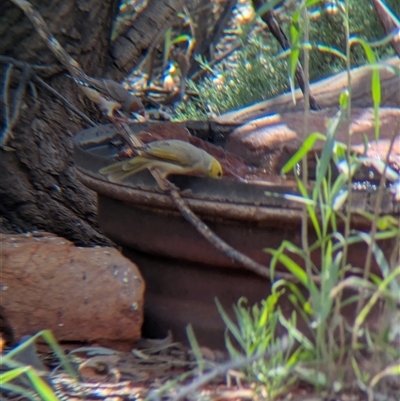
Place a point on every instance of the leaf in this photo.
(294, 268)
(371, 302)
(375, 80)
(391, 370)
(229, 323)
(295, 333)
(12, 374)
(194, 345)
(42, 388)
(327, 151)
(305, 147)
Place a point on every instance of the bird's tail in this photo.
(119, 171)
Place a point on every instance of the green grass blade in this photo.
(327, 151)
(304, 149)
(30, 395)
(194, 345)
(360, 319)
(12, 374)
(42, 388)
(229, 323)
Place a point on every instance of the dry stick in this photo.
(7, 111)
(389, 22)
(133, 141)
(36, 78)
(224, 368)
(200, 226)
(222, 22)
(204, 44)
(34, 94)
(52, 43)
(269, 18)
(218, 59)
(11, 116)
(26, 74)
(64, 101)
(221, 245)
(48, 68)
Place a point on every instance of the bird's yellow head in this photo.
(215, 169)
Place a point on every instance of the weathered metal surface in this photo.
(183, 272)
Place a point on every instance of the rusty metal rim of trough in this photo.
(205, 208)
(208, 206)
(146, 197)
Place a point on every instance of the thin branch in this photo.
(11, 115)
(64, 101)
(205, 40)
(269, 18)
(36, 67)
(133, 141)
(7, 110)
(222, 369)
(221, 24)
(218, 59)
(35, 96)
(389, 22)
(34, 77)
(221, 245)
(205, 231)
(26, 74)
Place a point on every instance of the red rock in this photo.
(270, 141)
(80, 294)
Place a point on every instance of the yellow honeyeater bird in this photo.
(168, 157)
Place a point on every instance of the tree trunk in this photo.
(38, 185)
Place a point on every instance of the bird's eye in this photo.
(219, 173)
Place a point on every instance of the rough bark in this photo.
(147, 31)
(38, 185)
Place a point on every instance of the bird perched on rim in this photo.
(110, 96)
(167, 157)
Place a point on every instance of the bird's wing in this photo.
(136, 164)
(117, 172)
(112, 168)
(110, 88)
(174, 151)
(116, 90)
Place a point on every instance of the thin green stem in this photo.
(347, 227)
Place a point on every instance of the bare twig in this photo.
(7, 109)
(47, 68)
(64, 101)
(43, 31)
(389, 22)
(269, 18)
(100, 89)
(222, 369)
(26, 74)
(34, 94)
(210, 236)
(204, 40)
(133, 141)
(34, 77)
(221, 245)
(11, 114)
(218, 59)
(223, 21)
